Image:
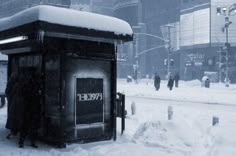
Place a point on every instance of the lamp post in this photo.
(168, 47)
(227, 13)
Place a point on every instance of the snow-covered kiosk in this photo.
(76, 54)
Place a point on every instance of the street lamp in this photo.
(168, 46)
(227, 13)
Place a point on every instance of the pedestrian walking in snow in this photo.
(170, 82)
(176, 79)
(135, 76)
(157, 81)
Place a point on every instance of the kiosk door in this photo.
(89, 103)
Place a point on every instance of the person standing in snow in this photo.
(176, 79)
(135, 75)
(12, 98)
(170, 82)
(157, 81)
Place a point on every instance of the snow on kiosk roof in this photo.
(80, 23)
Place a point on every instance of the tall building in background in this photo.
(130, 11)
(197, 37)
(10, 7)
(147, 17)
(202, 36)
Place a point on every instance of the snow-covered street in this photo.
(149, 132)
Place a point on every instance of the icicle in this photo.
(41, 34)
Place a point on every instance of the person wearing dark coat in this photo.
(14, 110)
(135, 76)
(157, 81)
(170, 83)
(176, 79)
(31, 118)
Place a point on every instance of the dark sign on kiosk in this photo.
(73, 54)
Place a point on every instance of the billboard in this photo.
(195, 27)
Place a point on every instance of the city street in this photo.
(118, 78)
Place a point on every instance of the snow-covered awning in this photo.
(67, 17)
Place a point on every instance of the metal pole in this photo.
(227, 51)
(168, 52)
(137, 58)
(220, 60)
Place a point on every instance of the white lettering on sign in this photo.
(90, 97)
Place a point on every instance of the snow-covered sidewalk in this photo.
(189, 91)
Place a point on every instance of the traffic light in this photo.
(166, 62)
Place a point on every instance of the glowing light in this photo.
(13, 39)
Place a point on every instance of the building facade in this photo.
(202, 37)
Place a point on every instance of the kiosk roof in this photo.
(67, 17)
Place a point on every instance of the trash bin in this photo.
(205, 82)
(129, 79)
